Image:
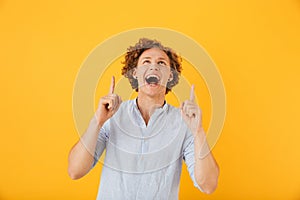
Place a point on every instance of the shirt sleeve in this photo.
(189, 158)
(101, 141)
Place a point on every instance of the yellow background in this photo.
(255, 44)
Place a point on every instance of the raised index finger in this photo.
(112, 85)
(192, 95)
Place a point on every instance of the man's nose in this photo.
(154, 67)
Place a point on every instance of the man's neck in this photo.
(147, 105)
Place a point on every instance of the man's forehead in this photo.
(154, 53)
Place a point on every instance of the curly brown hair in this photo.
(134, 52)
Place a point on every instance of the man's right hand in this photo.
(108, 105)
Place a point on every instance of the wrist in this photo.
(202, 148)
(99, 122)
(199, 139)
(199, 134)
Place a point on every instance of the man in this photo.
(146, 139)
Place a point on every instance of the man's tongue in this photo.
(152, 80)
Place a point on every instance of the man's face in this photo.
(153, 71)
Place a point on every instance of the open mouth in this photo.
(152, 79)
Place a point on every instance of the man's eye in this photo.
(161, 63)
(146, 61)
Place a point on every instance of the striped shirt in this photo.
(143, 162)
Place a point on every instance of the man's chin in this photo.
(152, 85)
(153, 89)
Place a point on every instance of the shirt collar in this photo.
(163, 108)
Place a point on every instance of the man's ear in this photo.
(134, 73)
(171, 76)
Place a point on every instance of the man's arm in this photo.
(81, 156)
(206, 170)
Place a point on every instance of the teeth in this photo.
(152, 75)
(152, 79)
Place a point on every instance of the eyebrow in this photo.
(147, 57)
